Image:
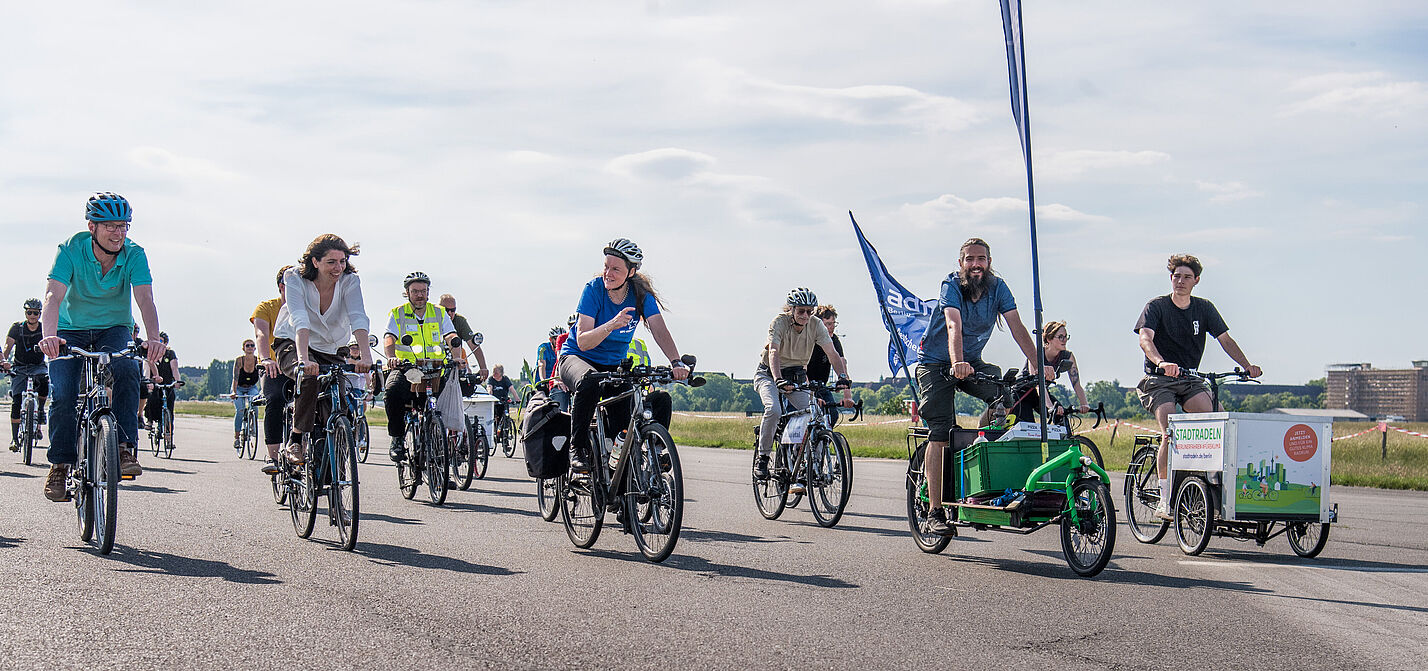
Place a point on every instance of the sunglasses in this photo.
(248, 346)
(450, 311)
(32, 312)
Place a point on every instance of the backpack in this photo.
(545, 431)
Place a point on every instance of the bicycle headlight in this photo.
(647, 415)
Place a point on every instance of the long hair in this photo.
(319, 247)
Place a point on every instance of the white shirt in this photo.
(326, 331)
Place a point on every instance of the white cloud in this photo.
(669, 164)
(953, 209)
(1227, 192)
(1373, 94)
(181, 167)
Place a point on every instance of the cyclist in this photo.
(246, 374)
(819, 368)
(308, 335)
(793, 335)
(973, 300)
(545, 366)
(135, 341)
(1054, 338)
(466, 335)
(95, 276)
(163, 371)
(276, 389)
(428, 327)
(500, 386)
(1172, 332)
(610, 309)
(29, 363)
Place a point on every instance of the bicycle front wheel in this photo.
(342, 501)
(654, 494)
(106, 482)
(482, 454)
(771, 493)
(1142, 495)
(1089, 449)
(251, 437)
(437, 467)
(29, 433)
(1089, 541)
(363, 438)
(830, 478)
(917, 506)
(508, 436)
(168, 440)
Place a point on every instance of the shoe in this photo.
(1162, 512)
(237, 443)
(42, 419)
(14, 446)
(761, 468)
(295, 454)
(797, 487)
(271, 467)
(579, 462)
(55, 484)
(398, 450)
(129, 461)
(937, 523)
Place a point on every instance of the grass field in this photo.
(1357, 461)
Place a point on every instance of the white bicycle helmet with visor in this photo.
(627, 250)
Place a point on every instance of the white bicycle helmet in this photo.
(417, 276)
(802, 297)
(627, 250)
(555, 332)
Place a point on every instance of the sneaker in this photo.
(129, 461)
(797, 487)
(14, 446)
(761, 467)
(579, 462)
(398, 450)
(237, 443)
(271, 467)
(1162, 512)
(937, 523)
(296, 455)
(55, 484)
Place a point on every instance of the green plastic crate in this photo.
(980, 516)
(996, 466)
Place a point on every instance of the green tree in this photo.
(219, 379)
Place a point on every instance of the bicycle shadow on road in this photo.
(8, 474)
(149, 561)
(130, 487)
(400, 556)
(7, 543)
(711, 569)
(378, 517)
(711, 536)
(175, 471)
(500, 510)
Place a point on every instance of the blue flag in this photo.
(904, 315)
(1016, 65)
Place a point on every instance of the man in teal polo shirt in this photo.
(95, 274)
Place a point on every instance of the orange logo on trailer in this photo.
(1300, 442)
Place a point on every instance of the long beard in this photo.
(973, 289)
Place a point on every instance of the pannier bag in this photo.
(545, 430)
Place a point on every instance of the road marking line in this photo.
(1362, 569)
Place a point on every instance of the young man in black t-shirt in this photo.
(1172, 332)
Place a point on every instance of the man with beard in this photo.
(972, 302)
(1172, 335)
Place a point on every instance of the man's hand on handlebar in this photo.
(51, 345)
(1254, 371)
(1049, 372)
(1169, 369)
(783, 385)
(961, 370)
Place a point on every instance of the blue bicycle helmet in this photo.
(108, 206)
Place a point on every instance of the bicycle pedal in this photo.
(127, 477)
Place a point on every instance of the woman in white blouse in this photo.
(323, 313)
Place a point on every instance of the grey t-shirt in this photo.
(794, 348)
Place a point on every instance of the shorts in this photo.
(939, 391)
(1157, 390)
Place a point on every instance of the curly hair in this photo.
(319, 247)
(1184, 260)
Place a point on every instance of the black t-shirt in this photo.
(500, 388)
(165, 364)
(27, 344)
(819, 369)
(1180, 334)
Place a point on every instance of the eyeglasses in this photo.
(803, 311)
(113, 225)
(1063, 337)
(32, 312)
(450, 311)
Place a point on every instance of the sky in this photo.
(497, 146)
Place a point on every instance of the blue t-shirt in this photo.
(978, 319)
(595, 303)
(546, 354)
(92, 300)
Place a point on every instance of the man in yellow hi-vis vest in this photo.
(416, 330)
(639, 354)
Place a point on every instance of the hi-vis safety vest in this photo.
(638, 354)
(425, 332)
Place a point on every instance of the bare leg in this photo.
(932, 469)
(1162, 455)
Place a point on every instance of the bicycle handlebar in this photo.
(1242, 375)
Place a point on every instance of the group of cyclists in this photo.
(318, 318)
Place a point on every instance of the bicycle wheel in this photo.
(105, 490)
(917, 506)
(1089, 449)
(792, 470)
(280, 488)
(830, 478)
(508, 436)
(1194, 515)
(1142, 494)
(548, 497)
(436, 467)
(482, 453)
(302, 500)
(462, 461)
(168, 433)
(1307, 538)
(654, 493)
(771, 493)
(363, 437)
(254, 428)
(582, 509)
(342, 502)
(29, 432)
(1089, 541)
(156, 438)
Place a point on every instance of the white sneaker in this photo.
(1162, 512)
(797, 488)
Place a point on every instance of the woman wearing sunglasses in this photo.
(246, 373)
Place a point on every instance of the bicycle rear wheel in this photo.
(1307, 538)
(437, 468)
(1142, 495)
(508, 436)
(548, 497)
(582, 508)
(654, 494)
(251, 437)
(29, 432)
(156, 436)
(168, 441)
(363, 437)
(342, 501)
(106, 482)
(462, 461)
(302, 499)
(917, 505)
(280, 489)
(830, 478)
(482, 454)
(771, 493)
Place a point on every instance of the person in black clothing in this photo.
(819, 368)
(164, 371)
(24, 340)
(500, 387)
(1172, 332)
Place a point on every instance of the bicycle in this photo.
(428, 457)
(548, 490)
(478, 446)
(29, 417)
(806, 450)
(248, 434)
(280, 490)
(644, 484)
(505, 430)
(161, 431)
(332, 470)
(362, 434)
(94, 482)
(1017, 388)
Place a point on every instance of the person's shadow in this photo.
(148, 561)
(397, 555)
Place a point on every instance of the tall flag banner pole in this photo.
(1016, 66)
(913, 314)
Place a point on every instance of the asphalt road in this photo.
(208, 574)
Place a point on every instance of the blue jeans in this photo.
(64, 390)
(240, 404)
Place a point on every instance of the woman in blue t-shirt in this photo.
(611, 307)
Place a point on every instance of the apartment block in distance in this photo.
(1379, 392)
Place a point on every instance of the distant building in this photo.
(1377, 393)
